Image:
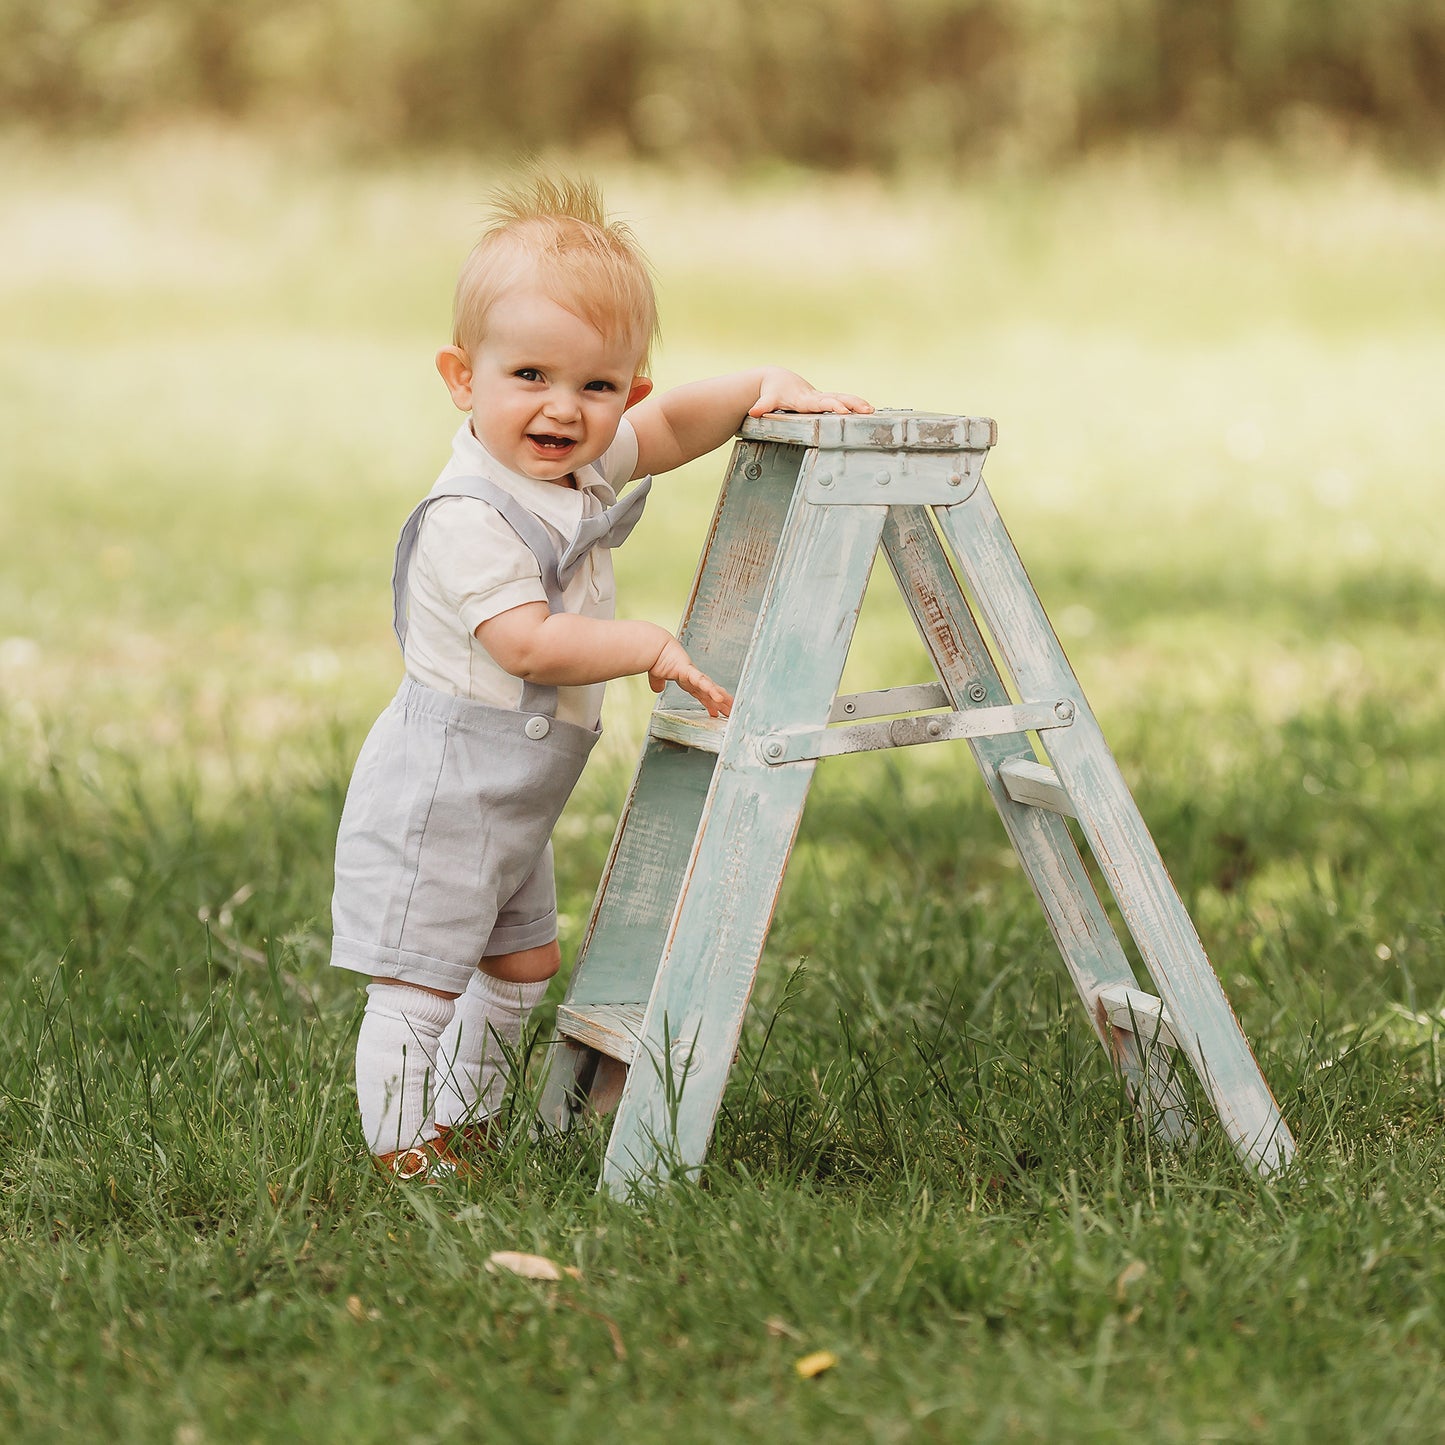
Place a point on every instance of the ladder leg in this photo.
(638, 892)
(630, 918)
(1203, 1021)
(749, 820)
(1077, 920)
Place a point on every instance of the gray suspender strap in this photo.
(535, 698)
(609, 528)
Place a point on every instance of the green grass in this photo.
(1219, 456)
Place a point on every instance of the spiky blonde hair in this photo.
(552, 231)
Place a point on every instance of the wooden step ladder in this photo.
(652, 1018)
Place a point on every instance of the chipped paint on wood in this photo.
(882, 431)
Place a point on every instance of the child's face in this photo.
(545, 389)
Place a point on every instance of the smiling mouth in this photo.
(549, 442)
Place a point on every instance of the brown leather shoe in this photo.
(429, 1162)
(481, 1134)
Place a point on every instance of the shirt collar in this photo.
(549, 501)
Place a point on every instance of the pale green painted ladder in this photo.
(651, 1021)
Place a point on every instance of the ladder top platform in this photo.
(887, 431)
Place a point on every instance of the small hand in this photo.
(674, 665)
(784, 390)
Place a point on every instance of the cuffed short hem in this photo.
(402, 965)
(513, 937)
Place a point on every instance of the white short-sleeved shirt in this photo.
(469, 565)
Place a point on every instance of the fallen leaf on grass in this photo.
(815, 1364)
(778, 1327)
(529, 1266)
(359, 1311)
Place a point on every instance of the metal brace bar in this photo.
(905, 732)
(854, 706)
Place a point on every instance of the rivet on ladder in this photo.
(825, 479)
(752, 471)
(977, 691)
(882, 476)
(1064, 711)
(935, 729)
(955, 479)
(773, 749)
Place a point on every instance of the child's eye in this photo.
(599, 386)
(527, 373)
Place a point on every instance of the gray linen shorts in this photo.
(443, 855)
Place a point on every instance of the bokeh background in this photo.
(1191, 257)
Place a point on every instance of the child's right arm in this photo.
(562, 649)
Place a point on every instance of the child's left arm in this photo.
(691, 420)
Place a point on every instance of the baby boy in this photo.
(504, 609)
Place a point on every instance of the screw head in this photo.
(752, 471)
(935, 729)
(955, 479)
(1064, 711)
(774, 749)
(977, 691)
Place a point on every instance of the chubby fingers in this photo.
(839, 402)
(717, 700)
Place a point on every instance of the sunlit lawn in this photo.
(1220, 455)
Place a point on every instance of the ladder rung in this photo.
(691, 727)
(1031, 783)
(611, 1028)
(1138, 1013)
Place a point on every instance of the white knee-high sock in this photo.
(396, 1073)
(471, 1057)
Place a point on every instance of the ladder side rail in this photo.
(1207, 1028)
(717, 623)
(1076, 919)
(737, 560)
(633, 906)
(790, 678)
(631, 909)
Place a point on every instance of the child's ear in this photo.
(456, 371)
(641, 387)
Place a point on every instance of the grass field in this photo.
(1220, 454)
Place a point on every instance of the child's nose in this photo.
(561, 406)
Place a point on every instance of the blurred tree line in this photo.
(840, 83)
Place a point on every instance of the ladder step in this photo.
(691, 727)
(1031, 783)
(611, 1028)
(1138, 1013)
